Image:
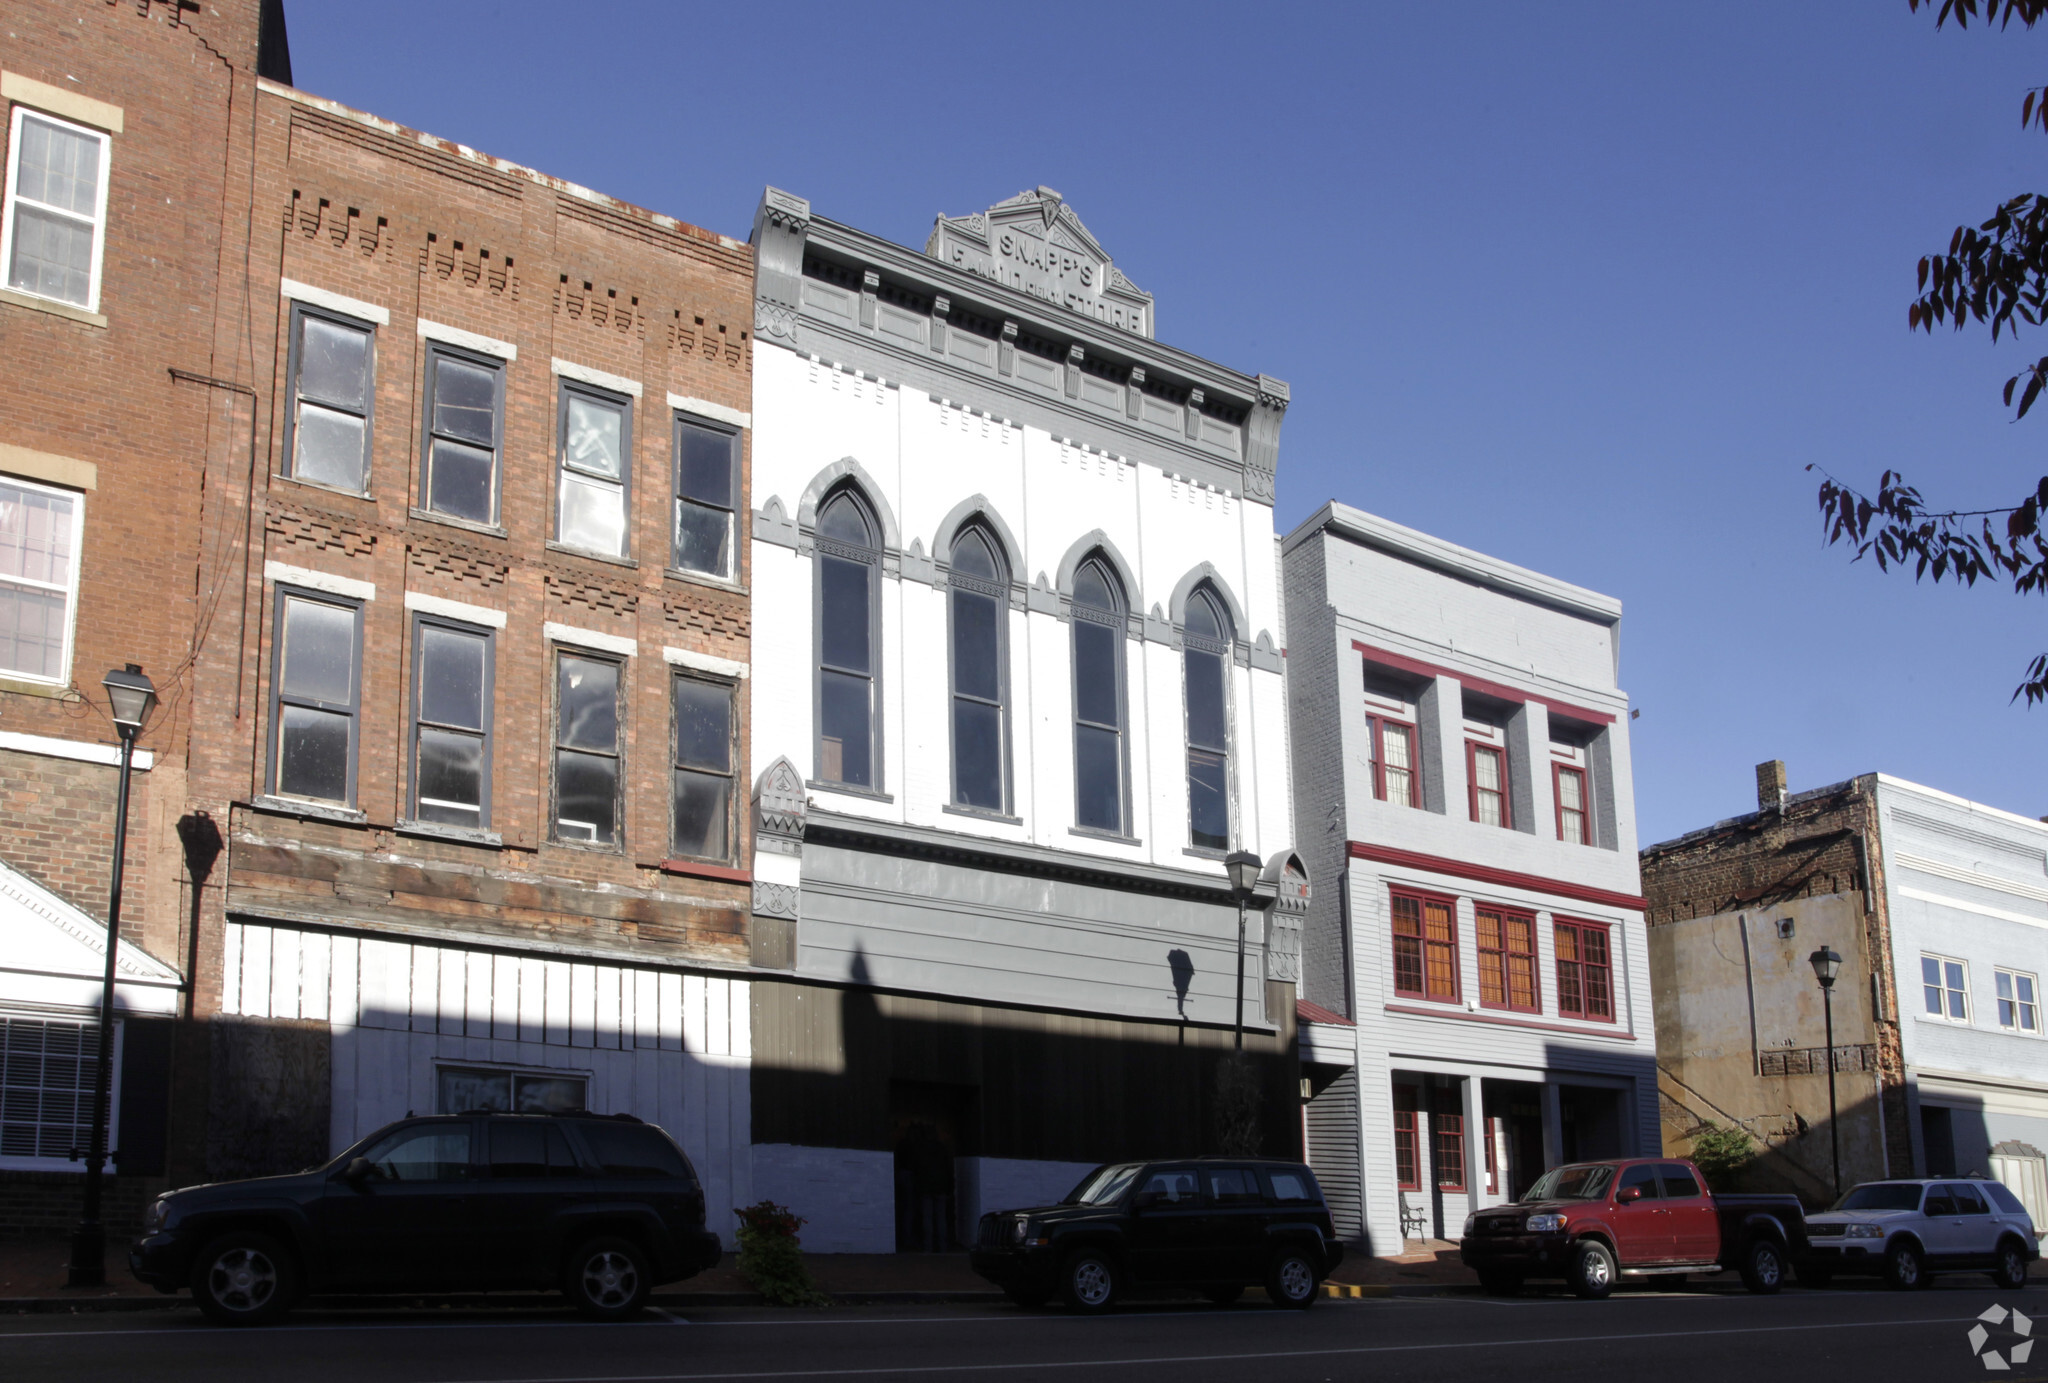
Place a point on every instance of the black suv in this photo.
(601, 1206)
(1216, 1225)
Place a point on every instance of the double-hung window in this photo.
(707, 498)
(1425, 947)
(1407, 1159)
(1585, 970)
(1098, 624)
(587, 748)
(979, 596)
(1507, 959)
(701, 823)
(1486, 768)
(463, 424)
(47, 1070)
(316, 696)
(56, 220)
(595, 444)
(1205, 657)
(2018, 1010)
(1945, 987)
(1574, 820)
(1447, 1148)
(849, 570)
(1391, 746)
(332, 361)
(39, 543)
(451, 754)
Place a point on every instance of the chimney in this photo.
(1770, 786)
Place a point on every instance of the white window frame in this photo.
(99, 222)
(1969, 1000)
(91, 1078)
(70, 589)
(2014, 977)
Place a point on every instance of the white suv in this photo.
(1905, 1230)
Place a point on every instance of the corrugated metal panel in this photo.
(1333, 1152)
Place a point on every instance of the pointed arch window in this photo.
(979, 596)
(1205, 659)
(849, 564)
(1099, 757)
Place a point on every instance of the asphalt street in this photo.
(1669, 1337)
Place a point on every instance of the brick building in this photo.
(1936, 906)
(446, 805)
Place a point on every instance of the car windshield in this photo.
(1585, 1182)
(1881, 1195)
(1103, 1185)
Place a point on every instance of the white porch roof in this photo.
(54, 956)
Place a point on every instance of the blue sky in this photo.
(1583, 285)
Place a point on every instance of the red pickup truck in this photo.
(1594, 1223)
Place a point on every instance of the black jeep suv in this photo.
(603, 1207)
(1216, 1225)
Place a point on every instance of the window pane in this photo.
(451, 778)
(704, 465)
(593, 440)
(1486, 768)
(975, 642)
(550, 1095)
(586, 797)
(319, 652)
(1092, 589)
(1208, 800)
(452, 677)
(1202, 621)
(334, 363)
(437, 1152)
(1569, 791)
(32, 625)
(52, 255)
(35, 535)
(59, 167)
(459, 482)
(846, 613)
(1930, 979)
(1206, 721)
(1098, 778)
(466, 401)
(972, 556)
(312, 753)
(843, 522)
(587, 703)
(977, 755)
(703, 724)
(466, 1090)
(1096, 695)
(2004, 982)
(844, 730)
(703, 537)
(701, 813)
(593, 515)
(519, 1151)
(329, 448)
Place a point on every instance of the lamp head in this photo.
(132, 697)
(1825, 966)
(1244, 869)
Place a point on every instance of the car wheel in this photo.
(1090, 1282)
(1224, 1296)
(1593, 1270)
(244, 1279)
(1903, 1269)
(1500, 1284)
(1030, 1300)
(1763, 1267)
(1291, 1280)
(2011, 1272)
(1817, 1278)
(607, 1279)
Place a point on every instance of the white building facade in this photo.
(1475, 970)
(1017, 690)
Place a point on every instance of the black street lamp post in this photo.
(1825, 966)
(132, 697)
(1243, 867)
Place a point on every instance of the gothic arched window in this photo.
(1098, 609)
(849, 562)
(1205, 659)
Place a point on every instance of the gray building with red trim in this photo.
(1475, 975)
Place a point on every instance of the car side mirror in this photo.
(1628, 1195)
(358, 1171)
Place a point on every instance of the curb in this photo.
(474, 1301)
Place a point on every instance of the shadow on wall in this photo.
(1792, 1154)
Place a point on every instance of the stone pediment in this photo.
(1034, 243)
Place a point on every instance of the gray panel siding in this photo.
(1333, 1153)
(1316, 737)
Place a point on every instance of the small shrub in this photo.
(772, 1257)
(1723, 1155)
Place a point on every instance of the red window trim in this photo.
(1481, 951)
(1492, 1123)
(1375, 724)
(1557, 772)
(1422, 900)
(1447, 1150)
(1606, 930)
(1472, 752)
(1453, 1015)
(1405, 1137)
(1489, 874)
(1401, 662)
